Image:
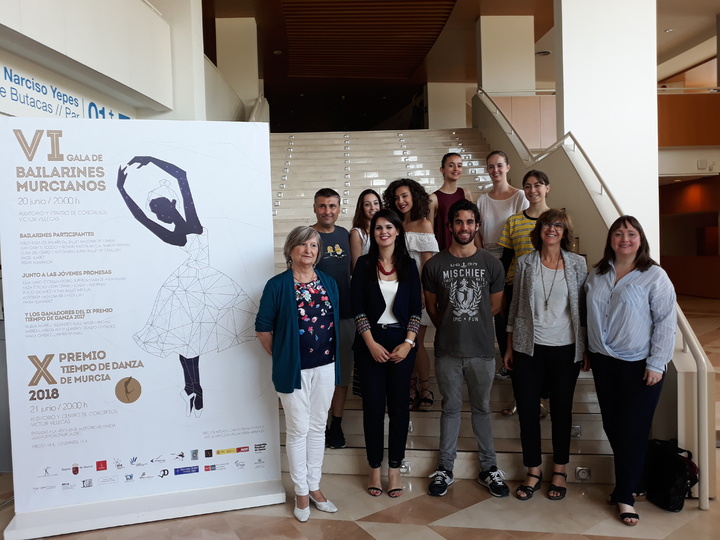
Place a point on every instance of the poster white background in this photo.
(81, 276)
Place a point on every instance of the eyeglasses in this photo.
(556, 225)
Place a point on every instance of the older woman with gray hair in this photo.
(296, 324)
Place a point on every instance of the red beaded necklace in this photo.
(382, 270)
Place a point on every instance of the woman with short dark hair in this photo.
(546, 345)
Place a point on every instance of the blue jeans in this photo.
(478, 373)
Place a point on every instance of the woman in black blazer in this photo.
(385, 291)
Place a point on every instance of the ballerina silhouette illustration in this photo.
(198, 309)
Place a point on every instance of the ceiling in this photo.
(331, 65)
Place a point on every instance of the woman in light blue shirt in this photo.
(631, 336)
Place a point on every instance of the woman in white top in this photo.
(410, 200)
(498, 204)
(368, 204)
(385, 292)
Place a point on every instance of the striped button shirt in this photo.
(633, 319)
(516, 236)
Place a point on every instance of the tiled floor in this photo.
(467, 512)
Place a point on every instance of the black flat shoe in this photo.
(528, 491)
(561, 490)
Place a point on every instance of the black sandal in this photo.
(426, 397)
(627, 517)
(528, 491)
(414, 393)
(561, 490)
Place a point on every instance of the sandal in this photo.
(528, 491)
(374, 491)
(628, 518)
(395, 493)
(414, 393)
(510, 409)
(426, 397)
(559, 489)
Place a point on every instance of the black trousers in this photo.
(553, 369)
(627, 405)
(384, 386)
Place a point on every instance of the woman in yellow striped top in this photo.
(515, 241)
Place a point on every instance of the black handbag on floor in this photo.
(669, 475)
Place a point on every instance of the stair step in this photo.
(594, 455)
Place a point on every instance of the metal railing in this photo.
(689, 339)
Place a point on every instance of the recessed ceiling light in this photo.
(668, 30)
(277, 52)
(678, 180)
(543, 53)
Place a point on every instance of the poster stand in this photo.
(71, 519)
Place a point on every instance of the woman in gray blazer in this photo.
(547, 344)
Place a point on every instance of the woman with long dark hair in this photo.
(410, 200)
(631, 336)
(368, 204)
(385, 291)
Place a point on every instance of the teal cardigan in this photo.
(278, 314)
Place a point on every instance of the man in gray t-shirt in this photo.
(463, 290)
(335, 261)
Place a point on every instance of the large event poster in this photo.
(134, 256)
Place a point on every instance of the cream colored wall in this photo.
(222, 101)
(237, 56)
(534, 118)
(506, 53)
(446, 105)
(188, 60)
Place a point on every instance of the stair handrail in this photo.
(689, 339)
(259, 102)
(691, 343)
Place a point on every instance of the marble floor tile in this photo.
(467, 512)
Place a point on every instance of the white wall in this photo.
(689, 161)
(607, 96)
(222, 101)
(123, 41)
(188, 60)
(237, 56)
